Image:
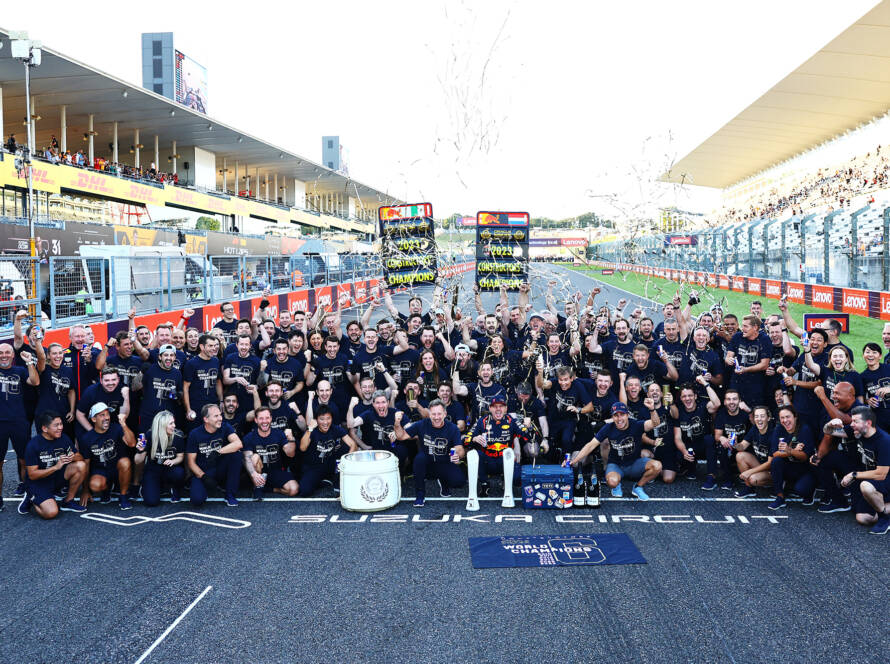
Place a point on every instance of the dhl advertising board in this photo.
(408, 244)
(502, 242)
(61, 178)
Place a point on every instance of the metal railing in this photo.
(17, 278)
(82, 289)
(845, 248)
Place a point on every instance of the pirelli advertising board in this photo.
(501, 250)
(408, 244)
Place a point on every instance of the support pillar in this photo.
(136, 147)
(225, 174)
(174, 157)
(91, 144)
(3, 133)
(115, 150)
(275, 189)
(157, 153)
(63, 130)
(237, 179)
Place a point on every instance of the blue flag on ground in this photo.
(554, 550)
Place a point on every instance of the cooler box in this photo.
(546, 487)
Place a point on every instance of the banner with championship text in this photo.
(502, 245)
(554, 551)
(408, 244)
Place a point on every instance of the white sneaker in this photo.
(473, 505)
(508, 502)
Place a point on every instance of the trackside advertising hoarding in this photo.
(873, 304)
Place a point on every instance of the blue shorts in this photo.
(109, 474)
(632, 471)
(277, 478)
(860, 505)
(45, 489)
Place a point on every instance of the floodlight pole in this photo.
(29, 52)
(26, 156)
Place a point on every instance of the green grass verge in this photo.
(862, 328)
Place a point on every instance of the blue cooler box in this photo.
(546, 487)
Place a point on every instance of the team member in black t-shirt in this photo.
(212, 456)
(165, 452)
(267, 457)
(625, 437)
(51, 459)
(753, 454)
(791, 447)
(14, 426)
(322, 445)
(871, 494)
(105, 450)
(439, 451)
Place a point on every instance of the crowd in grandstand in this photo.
(265, 405)
(54, 155)
(826, 188)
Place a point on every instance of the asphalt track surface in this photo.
(286, 580)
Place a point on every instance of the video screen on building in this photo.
(190, 83)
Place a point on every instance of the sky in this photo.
(555, 108)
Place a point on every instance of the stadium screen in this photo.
(190, 83)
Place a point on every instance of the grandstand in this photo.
(804, 172)
(102, 141)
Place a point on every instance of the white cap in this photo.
(97, 408)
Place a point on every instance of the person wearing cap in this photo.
(161, 387)
(110, 391)
(105, 448)
(625, 439)
(464, 366)
(496, 441)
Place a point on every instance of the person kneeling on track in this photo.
(267, 456)
(105, 453)
(500, 437)
(692, 430)
(210, 451)
(791, 447)
(625, 438)
(871, 498)
(752, 454)
(164, 463)
(322, 445)
(51, 460)
(438, 453)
